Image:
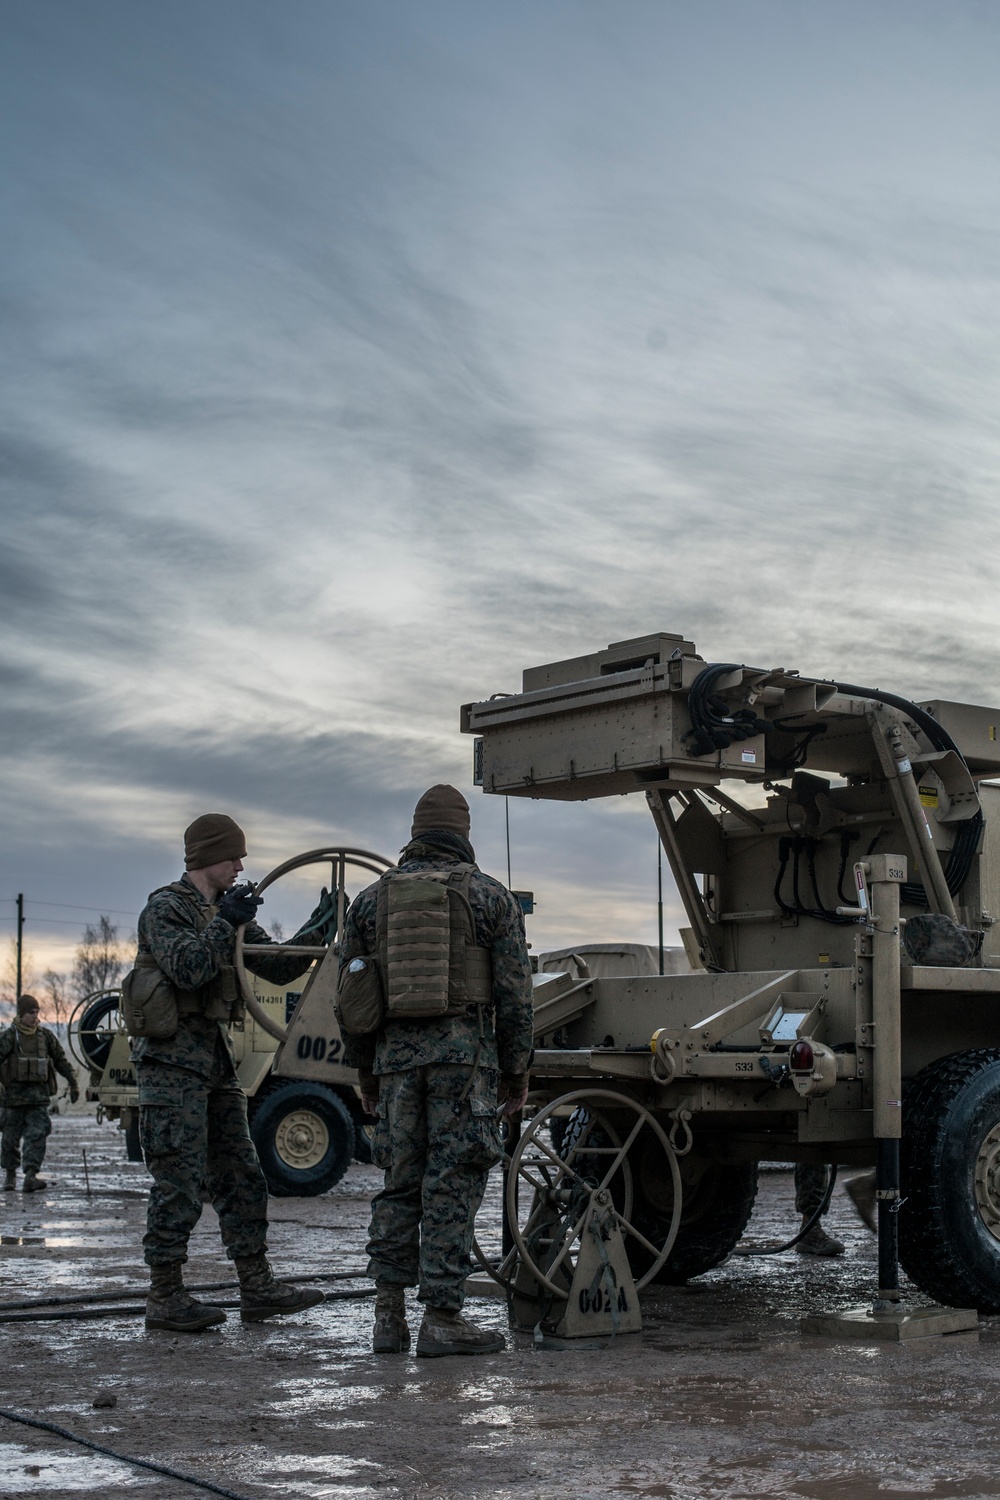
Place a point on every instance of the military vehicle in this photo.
(304, 1108)
(809, 824)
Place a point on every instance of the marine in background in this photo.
(30, 1058)
(433, 1082)
(192, 1108)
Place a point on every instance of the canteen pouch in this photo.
(360, 1005)
(149, 1001)
(31, 1070)
(218, 1000)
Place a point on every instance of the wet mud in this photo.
(719, 1397)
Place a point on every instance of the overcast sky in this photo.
(357, 354)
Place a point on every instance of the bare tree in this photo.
(100, 959)
(8, 977)
(55, 988)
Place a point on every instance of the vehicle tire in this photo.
(716, 1208)
(718, 1201)
(304, 1136)
(949, 1219)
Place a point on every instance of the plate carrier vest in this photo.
(425, 940)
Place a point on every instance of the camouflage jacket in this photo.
(191, 958)
(29, 1095)
(455, 1039)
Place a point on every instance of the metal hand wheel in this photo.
(546, 1230)
(338, 857)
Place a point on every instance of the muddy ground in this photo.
(718, 1397)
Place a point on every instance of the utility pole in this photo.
(20, 941)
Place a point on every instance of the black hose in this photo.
(967, 836)
(713, 726)
(122, 1458)
(140, 1291)
(83, 1314)
(788, 844)
(777, 1249)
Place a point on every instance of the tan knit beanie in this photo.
(442, 809)
(212, 838)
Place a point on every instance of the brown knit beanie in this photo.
(212, 838)
(27, 1002)
(441, 809)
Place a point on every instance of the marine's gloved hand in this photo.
(239, 905)
(512, 1092)
(369, 1086)
(321, 922)
(74, 1093)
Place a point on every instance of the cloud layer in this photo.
(355, 359)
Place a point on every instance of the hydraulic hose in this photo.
(122, 1458)
(968, 833)
(810, 1224)
(134, 1310)
(140, 1291)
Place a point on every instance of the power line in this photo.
(49, 921)
(104, 911)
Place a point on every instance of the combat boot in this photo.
(817, 1241)
(10, 1180)
(445, 1331)
(171, 1307)
(262, 1296)
(32, 1182)
(391, 1335)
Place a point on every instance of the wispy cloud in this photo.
(354, 360)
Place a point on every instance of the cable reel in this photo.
(92, 1027)
(568, 1270)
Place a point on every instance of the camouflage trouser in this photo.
(193, 1132)
(31, 1124)
(437, 1150)
(811, 1184)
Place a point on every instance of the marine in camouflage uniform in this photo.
(811, 1184)
(192, 1108)
(26, 1121)
(437, 1085)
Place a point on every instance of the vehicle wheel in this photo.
(949, 1219)
(717, 1203)
(304, 1136)
(716, 1207)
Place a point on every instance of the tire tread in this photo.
(926, 1250)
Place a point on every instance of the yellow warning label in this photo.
(928, 796)
(824, 959)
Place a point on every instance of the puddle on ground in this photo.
(316, 1476)
(78, 1473)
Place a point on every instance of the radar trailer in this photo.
(836, 849)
